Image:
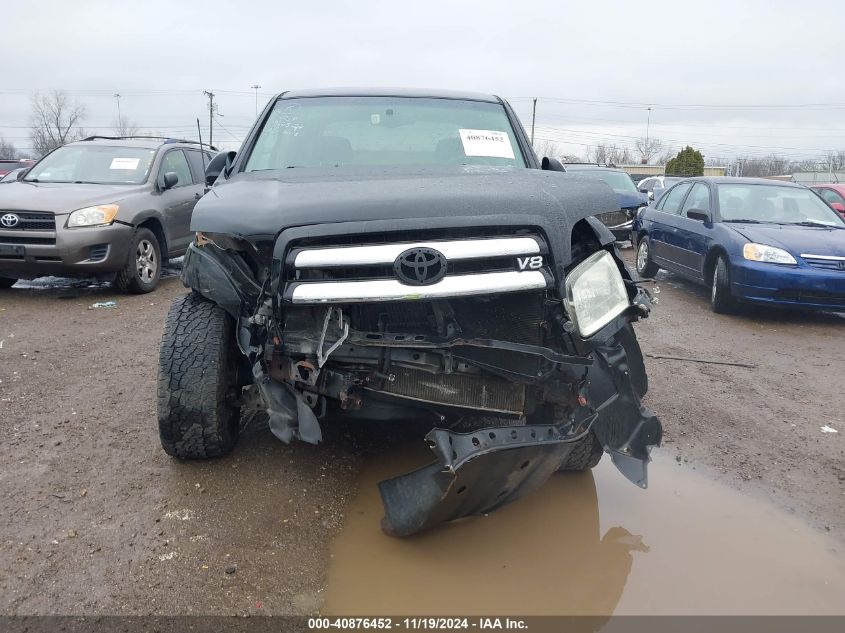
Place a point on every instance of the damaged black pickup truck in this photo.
(398, 255)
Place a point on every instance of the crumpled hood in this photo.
(264, 203)
(795, 239)
(60, 198)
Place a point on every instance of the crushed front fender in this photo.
(480, 471)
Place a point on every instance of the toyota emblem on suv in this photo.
(420, 266)
(9, 220)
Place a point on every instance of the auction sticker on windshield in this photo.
(486, 143)
(124, 163)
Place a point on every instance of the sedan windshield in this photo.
(329, 132)
(774, 204)
(619, 181)
(95, 164)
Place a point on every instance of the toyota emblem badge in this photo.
(420, 266)
(9, 220)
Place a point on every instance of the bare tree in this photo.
(834, 161)
(545, 147)
(54, 121)
(125, 127)
(611, 154)
(7, 149)
(648, 148)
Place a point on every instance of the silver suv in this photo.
(107, 207)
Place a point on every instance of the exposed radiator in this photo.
(458, 390)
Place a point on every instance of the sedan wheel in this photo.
(645, 267)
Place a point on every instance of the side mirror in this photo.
(220, 163)
(699, 214)
(22, 173)
(838, 206)
(170, 180)
(650, 194)
(552, 164)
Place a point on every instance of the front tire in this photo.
(198, 416)
(586, 454)
(645, 267)
(142, 270)
(721, 299)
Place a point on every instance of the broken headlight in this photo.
(595, 293)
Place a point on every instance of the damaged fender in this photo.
(478, 472)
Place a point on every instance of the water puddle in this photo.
(588, 544)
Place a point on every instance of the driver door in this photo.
(178, 201)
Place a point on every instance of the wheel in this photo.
(6, 282)
(645, 267)
(143, 264)
(721, 300)
(198, 414)
(586, 454)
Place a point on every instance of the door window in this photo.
(672, 200)
(830, 196)
(699, 198)
(176, 162)
(195, 158)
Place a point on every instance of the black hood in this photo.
(263, 204)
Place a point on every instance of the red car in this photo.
(7, 165)
(834, 195)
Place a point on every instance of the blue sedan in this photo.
(750, 239)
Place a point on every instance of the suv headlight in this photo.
(768, 254)
(93, 216)
(595, 293)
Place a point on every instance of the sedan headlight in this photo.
(93, 216)
(768, 254)
(595, 293)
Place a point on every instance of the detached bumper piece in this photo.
(476, 473)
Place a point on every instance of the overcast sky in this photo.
(731, 78)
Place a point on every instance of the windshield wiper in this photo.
(813, 223)
(748, 221)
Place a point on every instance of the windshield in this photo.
(774, 204)
(332, 132)
(619, 181)
(97, 164)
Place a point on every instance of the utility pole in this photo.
(119, 117)
(211, 106)
(647, 125)
(533, 117)
(256, 88)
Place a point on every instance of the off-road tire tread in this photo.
(126, 280)
(197, 371)
(586, 454)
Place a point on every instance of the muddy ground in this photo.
(97, 519)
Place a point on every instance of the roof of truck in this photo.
(389, 92)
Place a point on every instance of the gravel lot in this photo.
(97, 519)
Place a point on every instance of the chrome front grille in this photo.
(370, 272)
(825, 262)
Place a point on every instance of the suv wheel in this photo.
(143, 264)
(198, 414)
(721, 300)
(586, 452)
(645, 267)
(6, 282)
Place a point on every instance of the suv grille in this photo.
(366, 270)
(32, 221)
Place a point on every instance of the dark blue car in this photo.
(750, 239)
